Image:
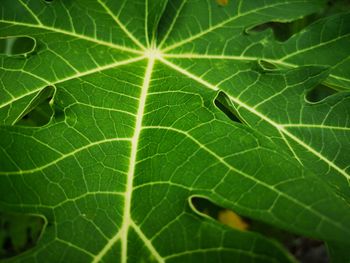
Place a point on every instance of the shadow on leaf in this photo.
(19, 233)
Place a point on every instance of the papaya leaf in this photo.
(155, 103)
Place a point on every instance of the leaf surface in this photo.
(136, 133)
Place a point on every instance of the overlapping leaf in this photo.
(136, 133)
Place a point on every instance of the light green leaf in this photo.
(136, 132)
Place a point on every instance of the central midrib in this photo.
(134, 145)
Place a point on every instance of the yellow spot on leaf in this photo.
(222, 2)
(231, 219)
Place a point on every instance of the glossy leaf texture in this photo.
(136, 132)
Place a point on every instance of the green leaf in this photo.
(230, 38)
(338, 253)
(159, 102)
(316, 134)
(312, 46)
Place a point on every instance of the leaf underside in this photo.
(136, 131)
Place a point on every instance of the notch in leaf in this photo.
(222, 215)
(266, 65)
(319, 93)
(223, 103)
(39, 112)
(304, 249)
(21, 46)
(19, 233)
